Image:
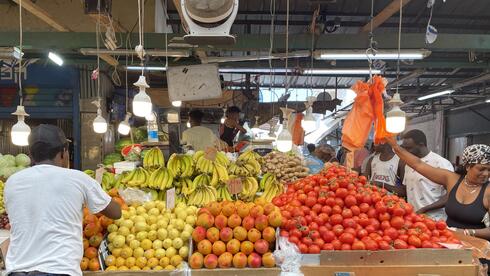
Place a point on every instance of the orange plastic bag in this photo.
(376, 93)
(358, 122)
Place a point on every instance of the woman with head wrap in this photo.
(468, 192)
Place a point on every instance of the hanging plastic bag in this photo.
(376, 90)
(358, 122)
(288, 258)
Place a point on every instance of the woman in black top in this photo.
(469, 196)
(231, 127)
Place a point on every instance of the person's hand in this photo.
(391, 141)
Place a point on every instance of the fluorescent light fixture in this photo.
(255, 70)
(55, 58)
(437, 94)
(340, 71)
(122, 52)
(146, 68)
(487, 101)
(177, 103)
(362, 55)
(10, 52)
(294, 54)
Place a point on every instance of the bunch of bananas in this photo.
(153, 159)
(250, 167)
(2, 204)
(180, 165)
(202, 191)
(90, 173)
(182, 186)
(250, 154)
(250, 188)
(223, 192)
(220, 158)
(161, 179)
(188, 186)
(118, 180)
(108, 181)
(220, 174)
(271, 187)
(138, 177)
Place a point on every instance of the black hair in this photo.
(196, 115)
(43, 152)
(417, 136)
(311, 147)
(233, 109)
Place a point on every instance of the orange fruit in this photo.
(124, 207)
(90, 230)
(105, 221)
(95, 240)
(86, 212)
(90, 252)
(113, 192)
(93, 264)
(85, 244)
(119, 200)
(84, 263)
(90, 219)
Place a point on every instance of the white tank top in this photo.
(384, 171)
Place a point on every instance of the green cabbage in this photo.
(6, 172)
(7, 161)
(22, 160)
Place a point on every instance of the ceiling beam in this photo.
(384, 15)
(43, 15)
(414, 74)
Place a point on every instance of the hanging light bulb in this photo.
(284, 141)
(99, 124)
(177, 103)
(309, 122)
(188, 124)
(124, 126)
(222, 121)
(20, 131)
(142, 105)
(395, 118)
(255, 128)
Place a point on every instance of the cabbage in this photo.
(22, 160)
(7, 161)
(6, 172)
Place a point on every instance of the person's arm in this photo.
(401, 170)
(439, 176)
(400, 190)
(367, 173)
(240, 128)
(434, 206)
(112, 211)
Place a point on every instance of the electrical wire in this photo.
(97, 34)
(271, 40)
(371, 50)
(399, 45)
(20, 48)
(286, 85)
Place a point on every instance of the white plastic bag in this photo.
(132, 195)
(288, 258)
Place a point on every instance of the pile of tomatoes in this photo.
(340, 210)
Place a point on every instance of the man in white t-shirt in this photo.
(45, 206)
(425, 196)
(197, 136)
(386, 170)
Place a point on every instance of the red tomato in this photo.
(307, 240)
(367, 199)
(374, 223)
(347, 213)
(338, 230)
(319, 242)
(384, 245)
(302, 198)
(384, 217)
(314, 249)
(293, 239)
(398, 211)
(362, 233)
(355, 210)
(362, 179)
(337, 244)
(327, 209)
(351, 231)
(363, 220)
(358, 245)
(295, 233)
(427, 244)
(400, 244)
(371, 244)
(314, 234)
(336, 219)
(330, 201)
(443, 239)
(441, 225)
(421, 226)
(397, 222)
(370, 229)
(321, 199)
(329, 236)
(391, 232)
(327, 246)
(284, 233)
(380, 207)
(303, 248)
(310, 201)
(317, 208)
(313, 226)
(336, 209)
(349, 223)
(403, 238)
(372, 213)
(345, 247)
(385, 225)
(424, 237)
(346, 238)
(350, 200)
(364, 207)
(415, 241)
(341, 192)
(340, 202)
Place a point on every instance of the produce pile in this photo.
(339, 210)
(150, 237)
(10, 164)
(94, 229)
(235, 234)
(286, 167)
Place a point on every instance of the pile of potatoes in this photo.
(287, 168)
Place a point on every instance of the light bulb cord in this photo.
(21, 100)
(97, 33)
(399, 46)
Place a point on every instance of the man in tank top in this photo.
(385, 170)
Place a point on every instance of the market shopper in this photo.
(425, 195)
(45, 203)
(326, 153)
(312, 161)
(231, 126)
(386, 170)
(468, 201)
(197, 136)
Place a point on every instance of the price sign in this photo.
(210, 153)
(235, 186)
(99, 173)
(170, 199)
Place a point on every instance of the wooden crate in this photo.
(194, 272)
(440, 262)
